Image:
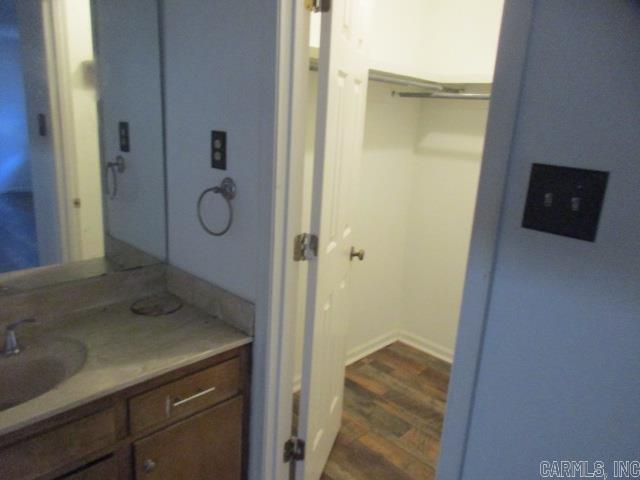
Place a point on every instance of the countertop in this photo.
(123, 349)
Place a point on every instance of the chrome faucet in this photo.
(11, 346)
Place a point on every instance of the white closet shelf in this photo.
(428, 88)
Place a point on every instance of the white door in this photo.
(342, 89)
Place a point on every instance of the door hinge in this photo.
(318, 5)
(294, 450)
(305, 247)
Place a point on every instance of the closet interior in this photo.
(430, 80)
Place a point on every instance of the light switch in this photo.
(565, 201)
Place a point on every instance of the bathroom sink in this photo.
(43, 363)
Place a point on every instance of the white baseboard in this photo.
(358, 353)
(427, 346)
(415, 341)
(368, 348)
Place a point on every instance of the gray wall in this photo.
(559, 371)
(220, 72)
(39, 148)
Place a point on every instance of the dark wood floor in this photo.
(394, 404)
(18, 242)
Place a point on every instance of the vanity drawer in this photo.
(103, 470)
(206, 446)
(56, 448)
(186, 396)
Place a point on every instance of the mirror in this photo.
(82, 184)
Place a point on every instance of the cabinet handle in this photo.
(178, 402)
(148, 466)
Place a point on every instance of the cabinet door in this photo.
(205, 446)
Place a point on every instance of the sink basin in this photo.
(43, 363)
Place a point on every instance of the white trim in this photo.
(501, 127)
(425, 345)
(361, 351)
(281, 195)
(50, 22)
(371, 346)
(68, 174)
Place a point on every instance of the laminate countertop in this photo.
(122, 349)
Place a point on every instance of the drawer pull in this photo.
(178, 402)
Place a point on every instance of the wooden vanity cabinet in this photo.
(177, 451)
(188, 423)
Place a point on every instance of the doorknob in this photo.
(359, 254)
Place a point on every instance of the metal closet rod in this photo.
(437, 90)
(402, 81)
(445, 95)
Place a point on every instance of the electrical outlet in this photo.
(219, 150)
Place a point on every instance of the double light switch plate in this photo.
(565, 201)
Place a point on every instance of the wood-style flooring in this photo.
(394, 403)
(18, 241)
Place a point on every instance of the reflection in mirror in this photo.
(128, 57)
(81, 138)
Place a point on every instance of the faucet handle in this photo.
(16, 324)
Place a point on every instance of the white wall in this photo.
(459, 39)
(449, 41)
(558, 373)
(382, 219)
(444, 180)
(128, 57)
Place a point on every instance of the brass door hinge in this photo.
(305, 247)
(318, 5)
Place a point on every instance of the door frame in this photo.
(281, 195)
(68, 146)
(275, 326)
(501, 129)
